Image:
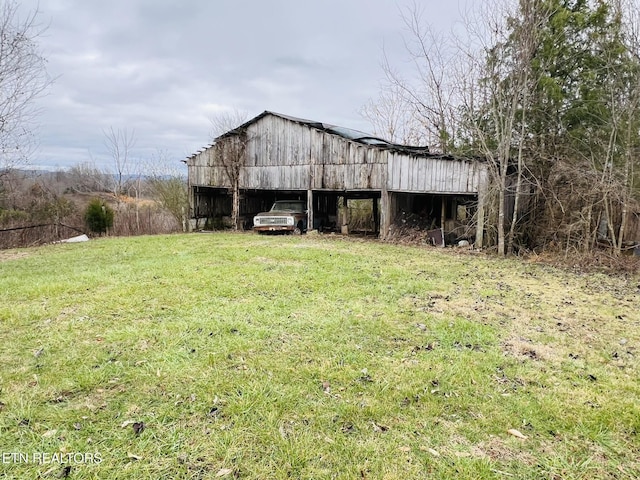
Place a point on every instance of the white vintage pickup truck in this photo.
(285, 216)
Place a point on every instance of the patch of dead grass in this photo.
(8, 255)
(505, 451)
(537, 316)
(528, 350)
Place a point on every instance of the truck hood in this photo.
(278, 213)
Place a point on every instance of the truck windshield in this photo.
(284, 206)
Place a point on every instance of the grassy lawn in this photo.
(259, 357)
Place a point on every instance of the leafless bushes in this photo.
(142, 218)
(581, 209)
(38, 208)
(130, 219)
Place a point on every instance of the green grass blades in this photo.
(259, 357)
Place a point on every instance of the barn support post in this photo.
(344, 216)
(309, 210)
(385, 213)
(482, 192)
(443, 212)
(235, 205)
(310, 199)
(192, 200)
(385, 203)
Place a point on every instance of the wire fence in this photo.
(128, 221)
(30, 235)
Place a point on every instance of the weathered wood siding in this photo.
(282, 154)
(434, 175)
(285, 155)
(203, 171)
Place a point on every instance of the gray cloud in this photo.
(163, 68)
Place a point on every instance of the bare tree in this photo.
(421, 109)
(624, 98)
(631, 157)
(229, 144)
(393, 118)
(226, 121)
(498, 106)
(23, 78)
(168, 185)
(119, 144)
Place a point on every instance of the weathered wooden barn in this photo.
(275, 156)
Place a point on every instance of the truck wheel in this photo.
(297, 230)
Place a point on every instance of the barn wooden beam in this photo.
(344, 216)
(385, 203)
(309, 209)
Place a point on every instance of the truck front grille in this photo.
(273, 221)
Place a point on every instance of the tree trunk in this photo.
(610, 227)
(623, 226)
(588, 235)
(516, 203)
(501, 212)
(235, 204)
(627, 187)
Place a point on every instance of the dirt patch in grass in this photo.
(528, 350)
(505, 451)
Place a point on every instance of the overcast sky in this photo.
(163, 68)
